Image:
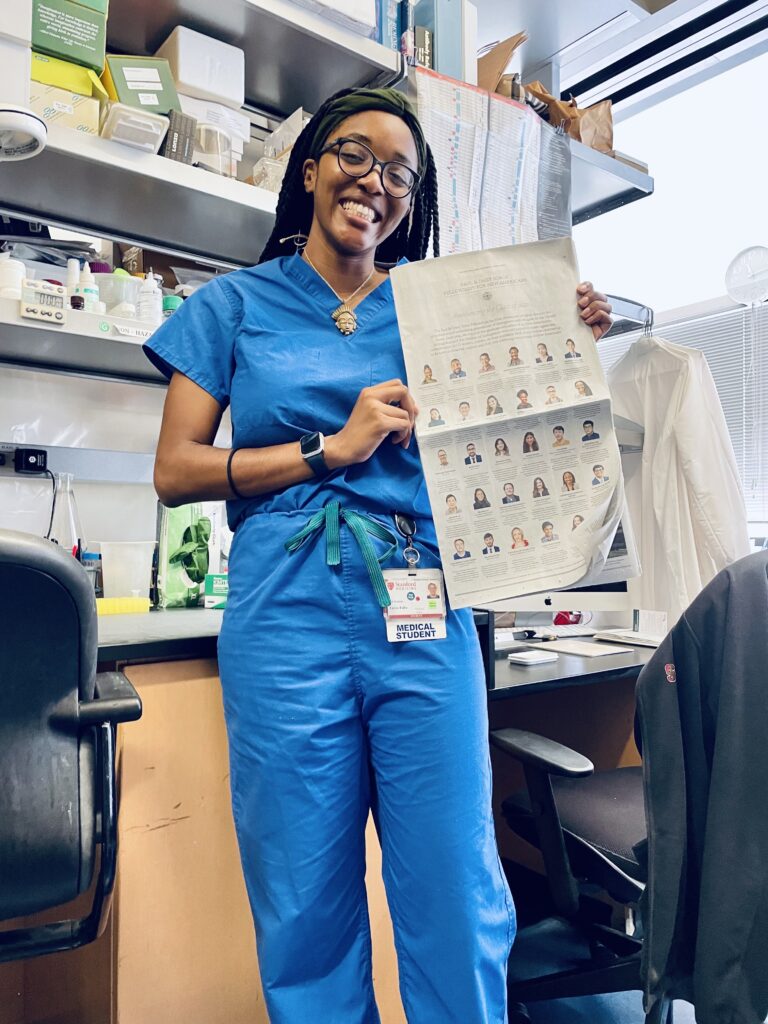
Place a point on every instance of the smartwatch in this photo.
(312, 447)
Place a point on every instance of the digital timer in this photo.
(41, 300)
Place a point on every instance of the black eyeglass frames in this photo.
(357, 160)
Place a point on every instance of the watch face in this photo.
(310, 444)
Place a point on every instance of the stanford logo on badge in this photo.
(670, 672)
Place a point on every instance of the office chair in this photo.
(586, 826)
(58, 719)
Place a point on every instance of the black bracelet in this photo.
(230, 481)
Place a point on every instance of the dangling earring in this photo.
(299, 240)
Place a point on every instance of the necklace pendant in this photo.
(345, 319)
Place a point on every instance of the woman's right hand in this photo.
(382, 409)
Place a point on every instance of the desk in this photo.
(569, 670)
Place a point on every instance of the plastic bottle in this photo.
(66, 530)
(12, 273)
(150, 304)
(73, 277)
(170, 304)
(89, 289)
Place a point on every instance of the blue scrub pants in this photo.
(326, 718)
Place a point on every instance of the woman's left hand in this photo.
(595, 309)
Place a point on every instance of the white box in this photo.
(205, 67)
(15, 71)
(16, 22)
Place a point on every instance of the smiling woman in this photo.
(325, 719)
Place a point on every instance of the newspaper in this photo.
(515, 426)
(503, 174)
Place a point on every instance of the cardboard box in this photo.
(65, 75)
(101, 6)
(180, 141)
(143, 82)
(66, 108)
(205, 67)
(62, 28)
(216, 590)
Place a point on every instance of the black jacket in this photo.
(703, 716)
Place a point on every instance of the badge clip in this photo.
(406, 527)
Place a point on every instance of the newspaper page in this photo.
(515, 426)
(504, 175)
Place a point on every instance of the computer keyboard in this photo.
(512, 636)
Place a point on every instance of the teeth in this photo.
(358, 209)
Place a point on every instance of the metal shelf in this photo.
(600, 184)
(293, 58)
(82, 347)
(88, 183)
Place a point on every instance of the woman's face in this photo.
(492, 403)
(529, 438)
(580, 386)
(538, 484)
(479, 494)
(517, 535)
(350, 230)
(500, 446)
(514, 353)
(434, 414)
(577, 521)
(569, 479)
(542, 349)
(427, 372)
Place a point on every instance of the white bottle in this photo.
(12, 273)
(150, 304)
(73, 277)
(89, 289)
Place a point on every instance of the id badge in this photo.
(417, 611)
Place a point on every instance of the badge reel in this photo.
(417, 609)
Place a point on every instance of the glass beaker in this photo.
(66, 529)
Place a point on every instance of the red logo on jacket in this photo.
(670, 673)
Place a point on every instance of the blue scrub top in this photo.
(262, 341)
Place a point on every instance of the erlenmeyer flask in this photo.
(66, 530)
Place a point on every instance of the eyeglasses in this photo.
(357, 160)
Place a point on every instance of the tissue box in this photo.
(142, 82)
(63, 107)
(204, 67)
(193, 542)
(68, 30)
(65, 75)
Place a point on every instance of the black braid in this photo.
(294, 208)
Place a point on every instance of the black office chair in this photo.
(57, 748)
(587, 827)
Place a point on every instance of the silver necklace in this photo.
(344, 317)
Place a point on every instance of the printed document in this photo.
(515, 426)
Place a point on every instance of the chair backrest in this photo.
(48, 657)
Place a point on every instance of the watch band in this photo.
(311, 446)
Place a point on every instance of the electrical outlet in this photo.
(30, 460)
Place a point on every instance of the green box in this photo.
(62, 28)
(216, 590)
(95, 5)
(142, 82)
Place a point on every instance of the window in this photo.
(735, 343)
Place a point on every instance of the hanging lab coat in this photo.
(692, 519)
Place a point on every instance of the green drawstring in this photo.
(362, 527)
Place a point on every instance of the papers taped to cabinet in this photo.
(515, 426)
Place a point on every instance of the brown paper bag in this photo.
(593, 125)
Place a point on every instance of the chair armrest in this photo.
(116, 701)
(542, 753)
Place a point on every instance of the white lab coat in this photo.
(692, 518)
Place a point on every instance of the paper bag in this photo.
(492, 65)
(593, 125)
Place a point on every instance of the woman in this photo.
(530, 444)
(435, 419)
(543, 356)
(518, 539)
(514, 356)
(540, 488)
(492, 407)
(569, 482)
(577, 521)
(583, 390)
(428, 378)
(523, 402)
(500, 447)
(480, 499)
(320, 708)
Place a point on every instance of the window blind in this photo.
(735, 344)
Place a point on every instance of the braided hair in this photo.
(295, 205)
